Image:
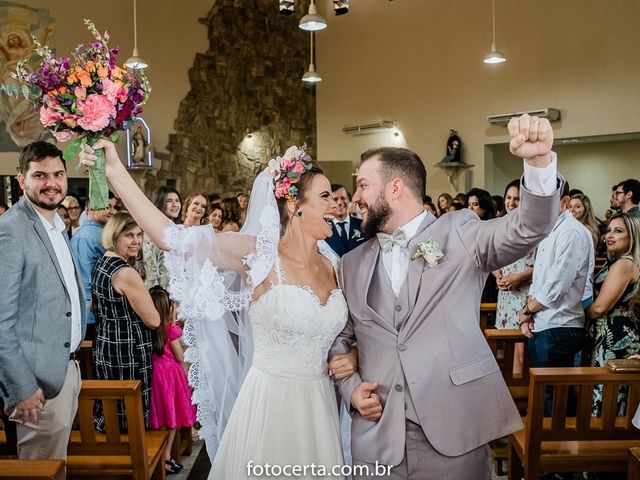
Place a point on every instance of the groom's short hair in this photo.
(400, 163)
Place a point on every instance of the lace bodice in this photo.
(293, 331)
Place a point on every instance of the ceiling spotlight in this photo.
(340, 7)
(311, 76)
(312, 21)
(494, 56)
(135, 62)
(287, 7)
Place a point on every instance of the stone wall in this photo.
(246, 103)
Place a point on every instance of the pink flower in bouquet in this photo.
(97, 110)
(80, 93)
(63, 136)
(49, 116)
(114, 91)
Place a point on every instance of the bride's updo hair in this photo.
(293, 175)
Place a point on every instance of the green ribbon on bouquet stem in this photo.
(98, 186)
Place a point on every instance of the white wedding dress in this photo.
(285, 413)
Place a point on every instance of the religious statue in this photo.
(454, 147)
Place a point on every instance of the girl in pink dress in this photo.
(171, 406)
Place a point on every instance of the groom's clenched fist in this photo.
(531, 139)
(366, 401)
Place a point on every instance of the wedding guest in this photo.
(582, 210)
(513, 281)
(614, 330)
(444, 202)
(230, 215)
(3, 207)
(64, 215)
(88, 249)
(628, 196)
(431, 208)
(346, 230)
(481, 203)
(124, 312)
(73, 206)
(552, 317)
(167, 200)
(41, 315)
(215, 218)
(460, 198)
(456, 205)
(171, 406)
(214, 199)
(195, 210)
(243, 203)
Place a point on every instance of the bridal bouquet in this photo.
(83, 99)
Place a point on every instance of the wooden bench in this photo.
(503, 345)
(634, 464)
(8, 435)
(137, 454)
(85, 359)
(575, 444)
(488, 315)
(32, 469)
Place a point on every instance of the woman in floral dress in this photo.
(513, 281)
(614, 330)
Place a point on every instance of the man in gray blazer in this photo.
(428, 395)
(41, 319)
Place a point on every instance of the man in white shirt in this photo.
(428, 395)
(552, 317)
(42, 321)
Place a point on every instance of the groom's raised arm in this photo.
(501, 241)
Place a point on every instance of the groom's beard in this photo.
(377, 217)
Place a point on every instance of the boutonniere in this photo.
(356, 234)
(430, 251)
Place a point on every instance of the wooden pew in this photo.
(8, 435)
(634, 464)
(137, 454)
(32, 469)
(85, 359)
(488, 315)
(575, 444)
(182, 444)
(503, 344)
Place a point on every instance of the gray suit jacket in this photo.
(35, 309)
(459, 395)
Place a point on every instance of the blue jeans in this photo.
(554, 347)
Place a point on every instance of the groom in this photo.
(429, 396)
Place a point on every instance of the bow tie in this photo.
(388, 241)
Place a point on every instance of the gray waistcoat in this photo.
(394, 310)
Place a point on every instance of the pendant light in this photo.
(494, 56)
(135, 62)
(310, 76)
(312, 21)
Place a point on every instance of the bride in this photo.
(262, 308)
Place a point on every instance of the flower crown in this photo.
(287, 171)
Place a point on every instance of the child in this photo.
(170, 395)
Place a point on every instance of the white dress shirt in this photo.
(396, 260)
(63, 255)
(539, 181)
(346, 225)
(562, 267)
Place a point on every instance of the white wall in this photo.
(420, 63)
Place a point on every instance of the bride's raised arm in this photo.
(227, 250)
